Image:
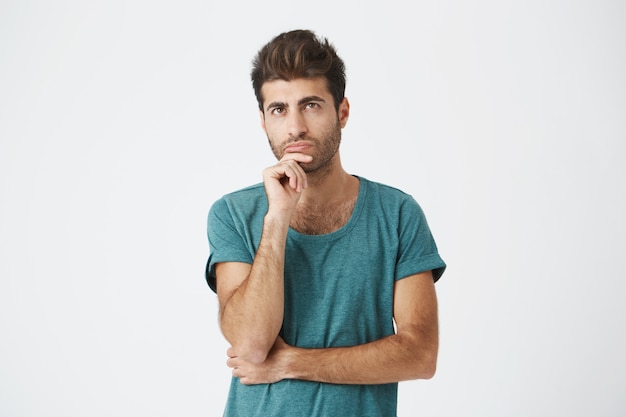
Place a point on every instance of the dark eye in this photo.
(277, 110)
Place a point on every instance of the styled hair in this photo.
(299, 54)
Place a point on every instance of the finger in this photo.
(294, 173)
(299, 176)
(295, 181)
(232, 362)
(296, 156)
(288, 168)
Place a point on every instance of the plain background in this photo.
(122, 121)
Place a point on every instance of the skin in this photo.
(304, 131)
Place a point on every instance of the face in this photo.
(300, 116)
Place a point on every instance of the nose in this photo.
(296, 124)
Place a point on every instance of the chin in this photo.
(315, 169)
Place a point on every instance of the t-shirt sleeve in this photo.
(226, 244)
(417, 250)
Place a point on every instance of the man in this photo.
(325, 280)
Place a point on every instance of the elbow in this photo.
(424, 367)
(251, 348)
(428, 370)
(423, 371)
(429, 363)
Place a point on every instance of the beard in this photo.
(326, 146)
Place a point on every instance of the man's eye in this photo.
(278, 110)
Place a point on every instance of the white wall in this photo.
(122, 121)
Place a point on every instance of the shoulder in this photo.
(242, 196)
(243, 202)
(385, 189)
(387, 195)
(246, 194)
(393, 203)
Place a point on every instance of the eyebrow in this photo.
(310, 99)
(302, 101)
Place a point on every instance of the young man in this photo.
(314, 266)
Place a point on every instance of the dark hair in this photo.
(299, 54)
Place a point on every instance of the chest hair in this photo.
(319, 220)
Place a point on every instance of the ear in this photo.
(344, 112)
(262, 115)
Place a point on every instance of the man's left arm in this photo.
(410, 353)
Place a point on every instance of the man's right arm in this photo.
(251, 297)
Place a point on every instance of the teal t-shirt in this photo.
(338, 291)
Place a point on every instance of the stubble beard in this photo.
(326, 149)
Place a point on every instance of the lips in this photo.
(297, 147)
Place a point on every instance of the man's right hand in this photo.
(285, 181)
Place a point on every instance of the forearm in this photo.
(411, 353)
(395, 358)
(253, 314)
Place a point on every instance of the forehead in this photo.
(294, 90)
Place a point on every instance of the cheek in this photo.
(272, 135)
(272, 130)
(274, 145)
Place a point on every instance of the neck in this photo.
(329, 184)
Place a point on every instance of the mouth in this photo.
(297, 147)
